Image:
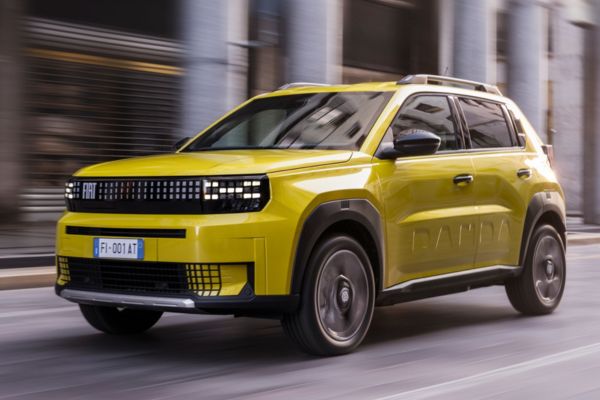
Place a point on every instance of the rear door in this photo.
(429, 210)
(501, 183)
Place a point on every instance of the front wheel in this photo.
(119, 321)
(539, 288)
(337, 299)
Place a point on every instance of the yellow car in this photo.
(314, 204)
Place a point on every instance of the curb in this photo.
(25, 278)
(579, 239)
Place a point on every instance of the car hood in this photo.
(223, 162)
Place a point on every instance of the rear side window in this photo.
(487, 124)
(429, 113)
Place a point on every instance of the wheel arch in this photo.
(545, 207)
(356, 217)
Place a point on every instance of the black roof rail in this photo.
(423, 79)
(292, 85)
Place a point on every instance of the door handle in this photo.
(463, 179)
(524, 173)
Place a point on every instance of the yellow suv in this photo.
(314, 204)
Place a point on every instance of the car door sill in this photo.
(447, 283)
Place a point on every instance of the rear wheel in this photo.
(539, 288)
(119, 321)
(337, 302)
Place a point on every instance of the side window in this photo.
(429, 113)
(487, 124)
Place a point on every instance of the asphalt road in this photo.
(466, 346)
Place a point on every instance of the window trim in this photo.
(455, 120)
(463, 122)
(511, 127)
(516, 122)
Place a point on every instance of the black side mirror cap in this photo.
(179, 144)
(412, 142)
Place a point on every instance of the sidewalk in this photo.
(27, 251)
(579, 233)
(27, 245)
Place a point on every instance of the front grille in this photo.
(127, 232)
(135, 195)
(62, 271)
(204, 279)
(127, 276)
(169, 195)
(146, 277)
(178, 189)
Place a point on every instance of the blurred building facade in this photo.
(92, 81)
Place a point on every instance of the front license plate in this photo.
(119, 248)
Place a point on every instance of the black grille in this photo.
(172, 195)
(135, 196)
(177, 189)
(127, 232)
(127, 276)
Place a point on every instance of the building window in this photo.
(501, 34)
(377, 35)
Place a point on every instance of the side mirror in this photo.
(413, 142)
(179, 144)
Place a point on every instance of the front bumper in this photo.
(238, 305)
(165, 286)
(263, 240)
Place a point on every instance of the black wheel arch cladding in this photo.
(545, 206)
(327, 215)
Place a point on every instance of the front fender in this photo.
(325, 215)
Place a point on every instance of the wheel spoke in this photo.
(545, 248)
(540, 286)
(331, 317)
(553, 288)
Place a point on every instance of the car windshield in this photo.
(339, 120)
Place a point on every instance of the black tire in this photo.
(119, 321)
(338, 292)
(539, 288)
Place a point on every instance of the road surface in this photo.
(465, 346)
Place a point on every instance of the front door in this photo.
(429, 200)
